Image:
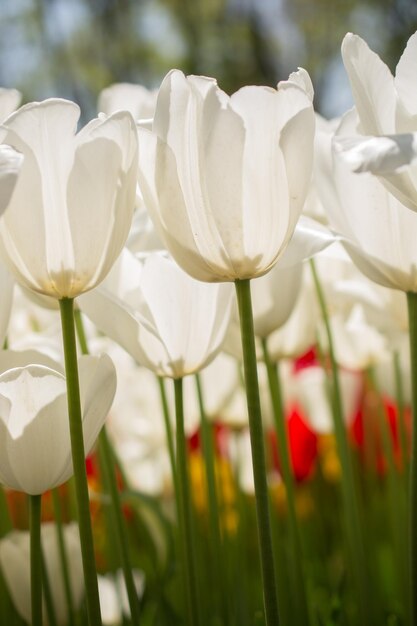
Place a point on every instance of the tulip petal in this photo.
(10, 165)
(378, 155)
(309, 238)
(163, 197)
(115, 321)
(15, 565)
(381, 272)
(173, 102)
(91, 202)
(6, 290)
(10, 359)
(48, 172)
(385, 230)
(36, 420)
(264, 182)
(301, 78)
(191, 304)
(54, 567)
(405, 76)
(274, 296)
(9, 101)
(296, 143)
(384, 156)
(221, 158)
(128, 97)
(97, 390)
(192, 106)
(372, 86)
(101, 197)
(37, 242)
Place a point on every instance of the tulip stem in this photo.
(399, 396)
(412, 521)
(185, 521)
(78, 461)
(119, 522)
(213, 504)
(170, 439)
(56, 503)
(108, 470)
(258, 452)
(47, 594)
(396, 513)
(287, 474)
(168, 427)
(35, 559)
(354, 535)
(6, 524)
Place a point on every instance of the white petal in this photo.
(192, 106)
(110, 312)
(9, 101)
(47, 130)
(386, 157)
(6, 289)
(29, 389)
(36, 421)
(111, 611)
(164, 199)
(10, 166)
(301, 78)
(97, 389)
(378, 155)
(310, 237)
(297, 145)
(405, 74)
(221, 157)
(372, 86)
(273, 297)
(10, 359)
(15, 564)
(37, 242)
(101, 198)
(128, 97)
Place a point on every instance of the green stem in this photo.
(47, 594)
(287, 474)
(78, 461)
(56, 503)
(168, 427)
(258, 452)
(6, 524)
(184, 512)
(111, 552)
(119, 522)
(354, 535)
(412, 522)
(213, 503)
(399, 397)
(396, 495)
(79, 327)
(35, 559)
(111, 547)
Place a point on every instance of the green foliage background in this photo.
(74, 48)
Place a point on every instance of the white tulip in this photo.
(136, 99)
(387, 109)
(35, 449)
(71, 208)
(225, 179)
(15, 564)
(167, 321)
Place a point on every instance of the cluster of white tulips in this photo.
(274, 481)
